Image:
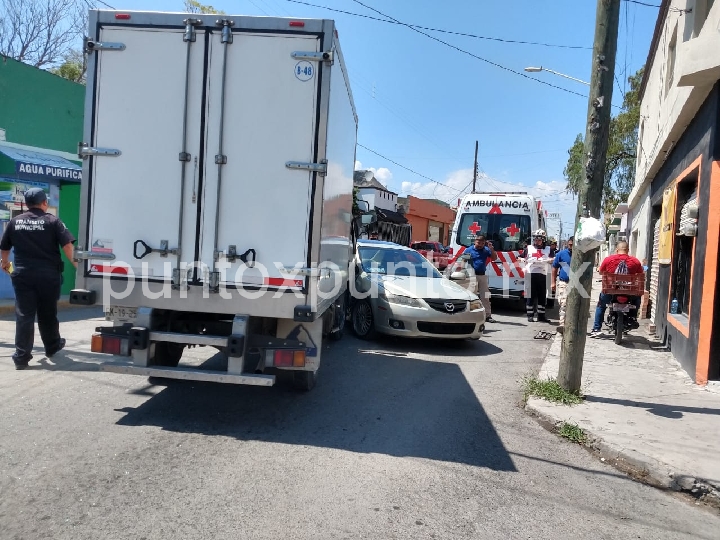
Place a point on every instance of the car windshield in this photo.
(396, 262)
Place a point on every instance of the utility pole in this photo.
(590, 193)
(475, 169)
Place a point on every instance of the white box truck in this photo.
(216, 202)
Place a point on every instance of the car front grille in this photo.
(446, 328)
(458, 306)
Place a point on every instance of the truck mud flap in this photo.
(188, 374)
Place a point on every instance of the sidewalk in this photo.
(642, 412)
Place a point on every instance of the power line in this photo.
(641, 3)
(471, 54)
(444, 31)
(408, 169)
(647, 4)
(99, 2)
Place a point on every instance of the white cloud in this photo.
(455, 186)
(382, 174)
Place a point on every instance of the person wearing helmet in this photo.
(537, 261)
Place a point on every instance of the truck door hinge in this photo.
(85, 151)
(227, 24)
(190, 34)
(92, 46)
(320, 168)
(328, 56)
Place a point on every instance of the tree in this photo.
(355, 207)
(73, 68)
(193, 6)
(621, 155)
(41, 33)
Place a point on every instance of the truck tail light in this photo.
(289, 358)
(106, 344)
(297, 24)
(122, 16)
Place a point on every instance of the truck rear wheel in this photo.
(304, 381)
(167, 354)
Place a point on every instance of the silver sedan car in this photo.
(400, 292)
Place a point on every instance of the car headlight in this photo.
(475, 305)
(401, 300)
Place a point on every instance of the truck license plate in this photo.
(625, 308)
(120, 313)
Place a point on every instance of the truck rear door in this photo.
(140, 109)
(263, 116)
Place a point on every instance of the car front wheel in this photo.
(363, 323)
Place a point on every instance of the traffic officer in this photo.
(37, 274)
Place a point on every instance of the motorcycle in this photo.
(622, 315)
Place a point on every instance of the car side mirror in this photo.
(465, 257)
(458, 275)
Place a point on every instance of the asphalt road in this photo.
(400, 439)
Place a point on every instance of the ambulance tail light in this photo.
(107, 344)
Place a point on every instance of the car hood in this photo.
(421, 287)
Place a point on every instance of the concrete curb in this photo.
(637, 465)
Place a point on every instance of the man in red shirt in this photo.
(620, 263)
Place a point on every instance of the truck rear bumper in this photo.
(191, 374)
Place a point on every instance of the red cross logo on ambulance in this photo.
(512, 230)
(475, 228)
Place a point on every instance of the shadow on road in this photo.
(447, 348)
(364, 402)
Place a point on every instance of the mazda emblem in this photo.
(449, 307)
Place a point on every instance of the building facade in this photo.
(392, 225)
(41, 123)
(431, 220)
(672, 217)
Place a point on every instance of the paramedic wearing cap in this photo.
(36, 237)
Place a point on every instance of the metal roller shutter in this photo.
(654, 270)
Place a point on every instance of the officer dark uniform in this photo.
(37, 275)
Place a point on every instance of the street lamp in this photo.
(539, 69)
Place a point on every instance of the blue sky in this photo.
(423, 104)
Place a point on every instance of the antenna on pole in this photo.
(475, 170)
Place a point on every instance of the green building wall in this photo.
(43, 110)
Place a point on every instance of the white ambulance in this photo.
(507, 220)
